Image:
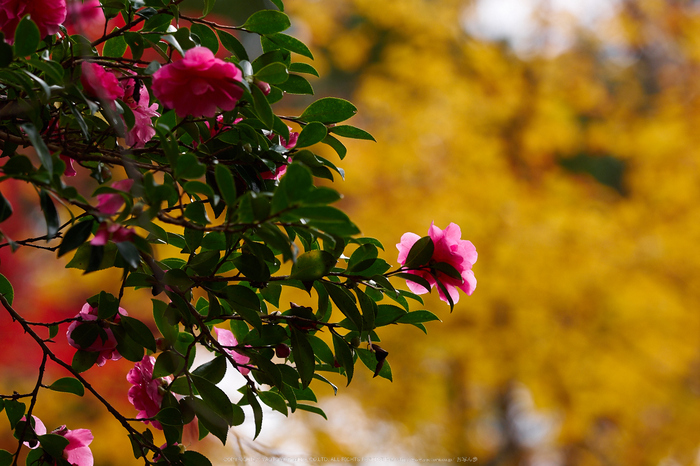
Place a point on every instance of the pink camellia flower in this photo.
(86, 18)
(277, 173)
(77, 452)
(110, 203)
(198, 83)
(70, 170)
(137, 100)
(450, 248)
(146, 394)
(226, 339)
(108, 231)
(99, 82)
(107, 348)
(48, 15)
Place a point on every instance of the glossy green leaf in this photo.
(369, 359)
(168, 330)
(257, 411)
(191, 457)
(348, 131)
(6, 458)
(39, 145)
(139, 332)
(303, 355)
(53, 444)
(215, 398)
(312, 409)
(76, 236)
(343, 354)
(226, 184)
(290, 43)
(14, 410)
(274, 401)
(245, 302)
(274, 73)
(329, 110)
(233, 45)
(312, 265)
(312, 133)
(5, 208)
(28, 37)
(296, 84)
(209, 418)
(262, 107)
(206, 36)
(115, 47)
(68, 385)
(84, 360)
(421, 252)
(213, 370)
(267, 22)
(6, 289)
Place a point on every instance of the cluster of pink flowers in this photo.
(108, 347)
(147, 393)
(450, 248)
(198, 83)
(48, 15)
(77, 452)
(105, 86)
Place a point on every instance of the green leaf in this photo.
(53, 444)
(6, 57)
(290, 43)
(159, 22)
(312, 265)
(76, 236)
(348, 131)
(68, 385)
(50, 213)
(369, 359)
(226, 184)
(313, 409)
(267, 22)
(303, 355)
(15, 410)
(208, 6)
(168, 362)
(206, 36)
(215, 398)
(5, 208)
(257, 411)
(127, 346)
(415, 278)
(188, 167)
(448, 269)
(337, 146)
(274, 73)
(421, 252)
(262, 107)
(312, 133)
(303, 68)
(274, 401)
(233, 45)
(252, 267)
(28, 37)
(296, 84)
(208, 418)
(329, 110)
(213, 370)
(191, 457)
(343, 354)
(245, 302)
(129, 253)
(168, 330)
(388, 314)
(136, 44)
(84, 360)
(6, 289)
(115, 47)
(169, 416)
(139, 332)
(6, 458)
(39, 145)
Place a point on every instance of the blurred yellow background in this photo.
(570, 159)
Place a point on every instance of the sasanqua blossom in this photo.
(107, 347)
(77, 452)
(146, 394)
(227, 340)
(48, 15)
(450, 248)
(198, 83)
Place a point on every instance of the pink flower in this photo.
(77, 452)
(198, 83)
(48, 15)
(110, 203)
(226, 339)
(146, 395)
(143, 130)
(450, 248)
(277, 173)
(99, 82)
(70, 170)
(108, 231)
(85, 18)
(108, 347)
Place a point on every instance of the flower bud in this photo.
(282, 351)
